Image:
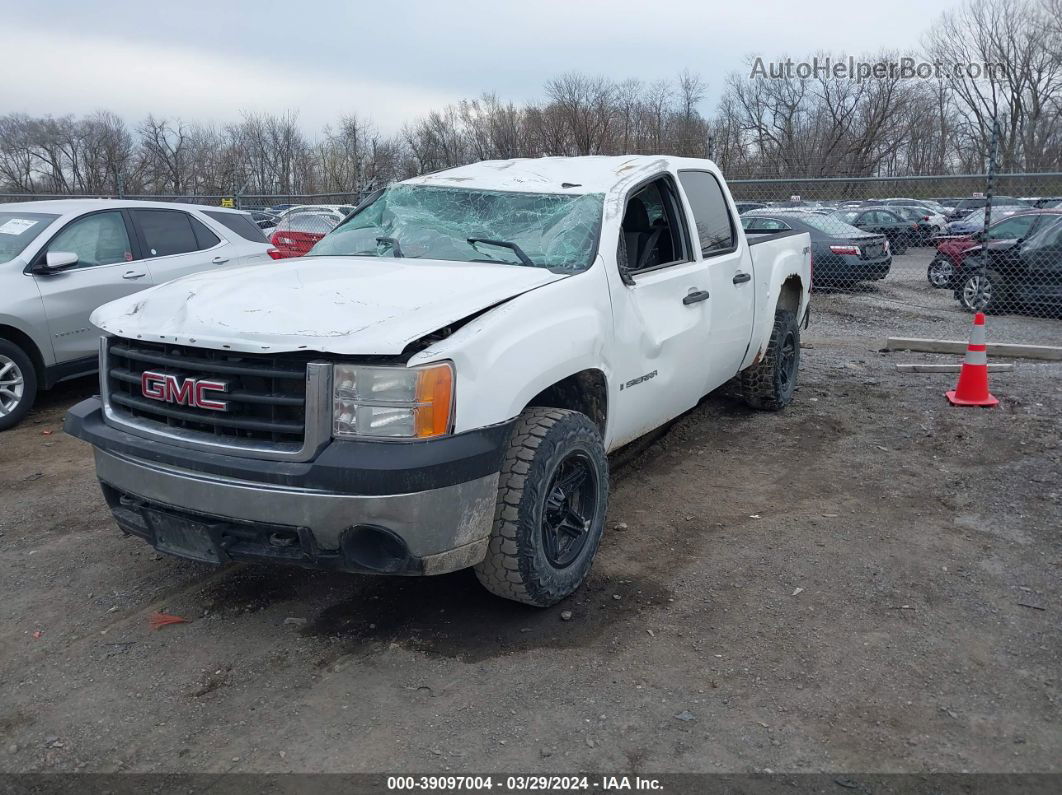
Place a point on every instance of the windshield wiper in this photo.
(513, 247)
(396, 247)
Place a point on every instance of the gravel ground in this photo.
(868, 581)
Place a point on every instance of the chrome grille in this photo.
(267, 397)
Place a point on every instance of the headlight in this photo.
(392, 402)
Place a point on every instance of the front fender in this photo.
(508, 355)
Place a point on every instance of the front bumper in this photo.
(403, 508)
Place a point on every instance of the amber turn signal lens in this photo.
(435, 398)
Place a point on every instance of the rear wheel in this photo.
(940, 273)
(18, 385)
(770, 383)
(552, 499)
(981, 291)
(899, 245)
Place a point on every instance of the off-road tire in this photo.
(516, 566)
(769, 384)
(29, 384)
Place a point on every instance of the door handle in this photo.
(134, 274)
(741, 278)
(220, 260)
(695, 296)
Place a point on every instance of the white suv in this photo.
(59, 260)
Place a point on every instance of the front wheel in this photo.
(552, 500)
(769, 384)
(940, 273)
(18, 385)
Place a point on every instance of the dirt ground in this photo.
(868, 581)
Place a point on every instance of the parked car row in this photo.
(842, 254)
(60, 260)
(298, 228)
(1015, 264)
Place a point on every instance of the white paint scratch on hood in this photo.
(343, 305)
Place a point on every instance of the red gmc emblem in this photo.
(169, 388)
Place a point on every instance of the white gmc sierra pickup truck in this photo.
(437, 383)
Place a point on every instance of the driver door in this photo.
(108, 267)
(660, 313)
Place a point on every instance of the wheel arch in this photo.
(585, 391)
(28, 346)
(790, 295)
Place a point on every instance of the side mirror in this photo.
(56, 261)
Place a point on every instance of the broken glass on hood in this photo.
(551, 230)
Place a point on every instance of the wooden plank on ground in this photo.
(949, 368)
(1046, 352)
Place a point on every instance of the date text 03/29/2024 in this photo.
(523, 783)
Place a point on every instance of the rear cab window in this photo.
(715, 227)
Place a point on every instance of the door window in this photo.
(166, 232)
(1048, 237)
(97, 239)
(715, 229)
(651, 236)
(203, 236)
(1012, 228)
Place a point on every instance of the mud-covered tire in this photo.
(769, 384)
(19, 385)
(545, 443)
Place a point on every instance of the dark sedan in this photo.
(841, 255)
(917, 216)
(1013, 275)
(883, 221)
(953, 251)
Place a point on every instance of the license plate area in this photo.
(184, 537)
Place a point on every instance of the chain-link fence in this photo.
(916, 255)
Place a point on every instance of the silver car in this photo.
(59, 260)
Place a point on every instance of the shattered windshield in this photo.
(550, 230)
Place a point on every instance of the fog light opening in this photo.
(375, 548)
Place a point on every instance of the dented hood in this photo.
(344, 305)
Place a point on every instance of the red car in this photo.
(946, 266)
(296, 235)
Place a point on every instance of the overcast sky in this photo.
(392, 61)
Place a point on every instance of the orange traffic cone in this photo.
(972, 389)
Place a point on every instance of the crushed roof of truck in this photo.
(574, 175)
(610, 175)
